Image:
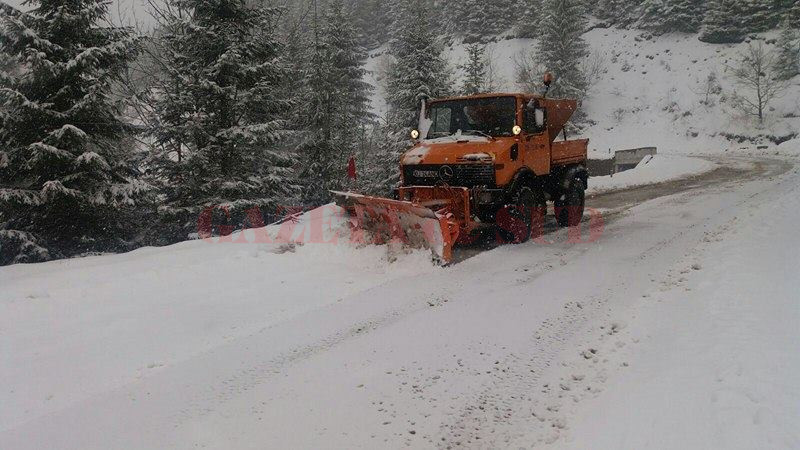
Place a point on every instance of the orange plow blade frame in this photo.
(410, 223)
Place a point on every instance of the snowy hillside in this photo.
(651, 93)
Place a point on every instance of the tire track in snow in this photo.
(509, 389)
(243, 380)
(511, 394)
(511, 400)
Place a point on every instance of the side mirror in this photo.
(424, 121)
(535, 117)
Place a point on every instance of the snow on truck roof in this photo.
(487, 95)
(493, 95)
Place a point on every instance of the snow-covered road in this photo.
(677, 328)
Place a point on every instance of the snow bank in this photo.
(713, 359)
(657, 169)
(677, 329)
(165, 305)
(789, 148)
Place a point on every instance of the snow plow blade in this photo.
(382, 220)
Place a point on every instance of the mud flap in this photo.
(377, 220)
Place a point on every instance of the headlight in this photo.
(414, 134)
(516, 130)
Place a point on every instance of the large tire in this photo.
(569, 211)
(516, 220)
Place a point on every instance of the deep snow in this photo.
(676, 328)
(713, 362)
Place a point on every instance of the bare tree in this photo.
(528, 70)
(594, 67)
(757, 73)
(494, 79)
(708, 88)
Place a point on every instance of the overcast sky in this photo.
(127, 9)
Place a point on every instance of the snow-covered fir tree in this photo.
(65, 180)
(562, 48)
(620, 13)
(498, 16)
(527, 25)
(761, 15)
(221, 120)
(417, 71)
(791, 15)
(474, 23)
(723, 22)
(7, 64)
(473, 20)
(338, 110)
(475, 70)
(788, 47)
(664, 16)
(371, 18)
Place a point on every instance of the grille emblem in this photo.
(425, 173)
(446, 173)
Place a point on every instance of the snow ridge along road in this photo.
(663, 333)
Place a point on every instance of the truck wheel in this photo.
(518, 220)
(569, 212)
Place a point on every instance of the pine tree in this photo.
(788, 60)
(222, 122)
(65, 180)
(475, 70)
(792, 15)
(498, 16)
(416, 71)
(760, 15)
(562, 48)
(528, 23)
(7, 64)
(620, 13)
(664, 16)
(475, 23)
(372, 19)
(722, 22)
(339, 106)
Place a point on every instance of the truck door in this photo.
(536, 139)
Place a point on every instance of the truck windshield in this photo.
(494, 116)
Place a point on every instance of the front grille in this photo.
(464, 175)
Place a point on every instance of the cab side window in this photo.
(534, 118)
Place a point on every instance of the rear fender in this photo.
(577, 171)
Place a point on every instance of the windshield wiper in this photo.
(482, 133)
(438, 133)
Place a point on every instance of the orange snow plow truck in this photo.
(478, 162)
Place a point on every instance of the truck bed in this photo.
(569, 152)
